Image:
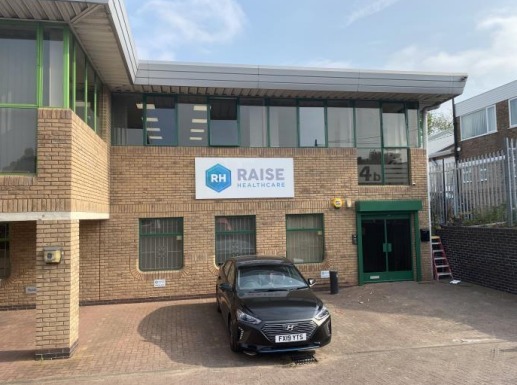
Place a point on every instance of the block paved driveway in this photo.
(392, 333)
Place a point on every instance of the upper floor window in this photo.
(161, 244)
(512, 106)
(5, 262)
(478, 123)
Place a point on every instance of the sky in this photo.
(477, 37)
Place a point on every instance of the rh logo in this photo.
(218, 178)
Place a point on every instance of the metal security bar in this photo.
(305, 239)
(161, 244)
(478, 190)
(235, 235)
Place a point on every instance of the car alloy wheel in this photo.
(233, 335)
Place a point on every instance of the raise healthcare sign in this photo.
(223, 178)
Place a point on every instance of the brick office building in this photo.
(143, 176)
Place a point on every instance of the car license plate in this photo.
(291, 337)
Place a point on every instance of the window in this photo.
(5, 265)
(234, 236)
(160, 120)
(224, 130)
(312, 124)
(192, 121)
(478, 123)
(161, 244)
(18, 53)
(340, 123)
(53, 67)
(512, 106)
(382, 141)
(283, 125)
(18, 140)
(253, 122)
(127, 120)
(305, 240)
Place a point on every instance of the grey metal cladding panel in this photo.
(195, 83)
(207, 76)
(194, 68)
(304, 72)
(118, 15)
(393, 75)
(309, 80)
(308, 86)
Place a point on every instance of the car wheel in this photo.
(233, 334)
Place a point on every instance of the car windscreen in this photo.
(269, 277)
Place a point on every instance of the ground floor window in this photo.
(305, 239)
(161, 244)
(234, 235)
(5, 265)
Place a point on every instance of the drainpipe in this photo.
(456, 134)
(424, 129)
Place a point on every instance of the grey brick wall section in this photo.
(483, 256)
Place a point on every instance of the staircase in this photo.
(441, 267)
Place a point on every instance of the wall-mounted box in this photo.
(52, 254)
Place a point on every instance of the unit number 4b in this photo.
(370, 174)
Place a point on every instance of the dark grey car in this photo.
(268, 306)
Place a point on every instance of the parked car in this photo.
(268, 306)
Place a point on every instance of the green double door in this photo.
(386, 248)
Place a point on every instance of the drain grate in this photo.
(303, 359)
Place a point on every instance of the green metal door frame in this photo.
(386, 210)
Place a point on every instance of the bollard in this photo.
(334, 287)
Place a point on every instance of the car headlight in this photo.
(244, 317)
(322, 314)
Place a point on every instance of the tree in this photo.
(439, 121)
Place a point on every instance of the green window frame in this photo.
(305, 238)
(5, 260)
(234, 235)
(161, 244)
(382, 164)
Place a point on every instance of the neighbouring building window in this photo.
(305, 239)
(512, 106)
(5, 262)
(478, 123)
(161, 244)
(234, 235)
(224, 130)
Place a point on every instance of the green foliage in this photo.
(439, 121)
(486, 216)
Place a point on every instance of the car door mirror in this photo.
(311, 282)
(225, 286)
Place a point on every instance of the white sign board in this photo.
(224, 178)
(325, 274)
(159, 283)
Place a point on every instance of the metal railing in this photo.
(478, 190)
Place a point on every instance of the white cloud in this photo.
(488, 66)
(166, 25)
(369, 9)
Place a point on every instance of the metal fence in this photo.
(479, 190)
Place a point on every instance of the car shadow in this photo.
(195, 334)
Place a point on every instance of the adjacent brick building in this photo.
(146, 175)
